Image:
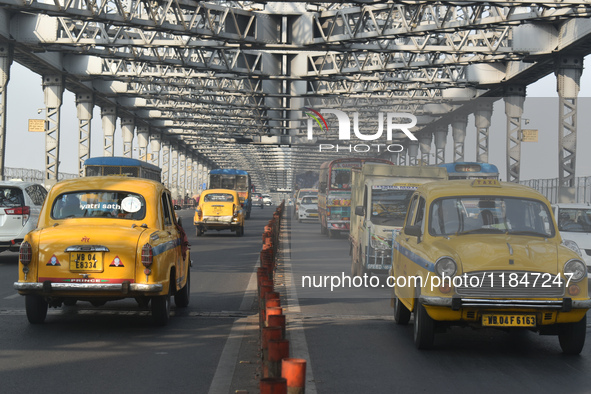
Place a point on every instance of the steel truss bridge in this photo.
(203, 85)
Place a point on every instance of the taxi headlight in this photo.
(575, 270)
(572, 245)
(446, 266)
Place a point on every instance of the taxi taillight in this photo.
(147, 255)
(25, 253)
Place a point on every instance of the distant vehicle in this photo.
(470, 170)
(334, 193)
(267, 200)
(102, 239)
(20, 205)
(298, 197)
(233, 179)
(257, 200)
(574, 225)
(308, 208)
(219, 209)
(109, 165)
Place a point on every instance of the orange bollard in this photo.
(274, 310)
(272, 302)
(294, 371)
(278, 350)
(269, 334)
(277, 321)
(264, 290)
(273, 386)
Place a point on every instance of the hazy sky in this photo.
(538, 160)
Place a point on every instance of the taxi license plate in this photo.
(500, 320)
(86, 262)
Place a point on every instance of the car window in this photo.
(36, 193)
(411, 210)
(99, 204)
(309, 200)
(166, 210)
(218, 197)
(11, 196)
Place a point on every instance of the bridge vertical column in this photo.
(568, 78)
(189, 174)
(127, 130)
(84, 108)
(182, 172)
(5, 63)
(174, 170)
(482, 118)
(166, 163)
(413, 153)
(155, 146)
(514, 100)
(143, 136)
(53, 89)
(425, 140)
(394, 157)
(440, 143)
(201, 174)
(109, 118)
(458, 129)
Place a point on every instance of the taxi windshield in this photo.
(99, 204)
(309, 200)
(576, 220)
(490, 215)
(389, 205)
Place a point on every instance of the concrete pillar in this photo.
(440, 135)
(413, 152)
(166, 163)
(53, 89)
(84, 109)
(514, 100)
(143, 136)
(5, 63)
(109, 118)
(482, 118)
(568, 79)
(182, 172)
(425, 141)
(127, 131)
(174, 170)
(458, 127)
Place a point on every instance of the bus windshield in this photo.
(389, 205)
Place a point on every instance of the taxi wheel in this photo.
(182, 297)
(161, 307)
(424, 329)
(401, 313)
(36, 307)
(572, 336)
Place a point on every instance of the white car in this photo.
(308, 209)
(574, 224)
(20, 205)
(267, 199)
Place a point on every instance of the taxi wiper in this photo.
(525, 232)
(482, 231)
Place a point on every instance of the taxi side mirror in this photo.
(360, 210)
(414, 231)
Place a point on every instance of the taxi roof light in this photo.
(486, 183)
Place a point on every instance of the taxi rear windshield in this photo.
(99, 204)
(218, 197)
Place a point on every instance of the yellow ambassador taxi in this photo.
(219, 209)
(485, 253)
(100, 239)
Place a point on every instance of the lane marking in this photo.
(11, 297)
(295, 326)
(222, 379)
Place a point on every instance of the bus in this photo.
(471, 170)
(233, 179)
(113, 165)
(334, 193)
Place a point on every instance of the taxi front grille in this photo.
(510, 284)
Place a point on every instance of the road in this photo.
(349, 337)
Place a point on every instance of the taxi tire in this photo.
(424, 329)
(183, 296)
(161, 307)
(36, 307)
(401, 313)
(571, 336)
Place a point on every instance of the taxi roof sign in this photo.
(486, 182)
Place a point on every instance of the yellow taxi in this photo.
(100, 239)
(485, 253)
(219, 209)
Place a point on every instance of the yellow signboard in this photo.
(36, 124)
(529, 135)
